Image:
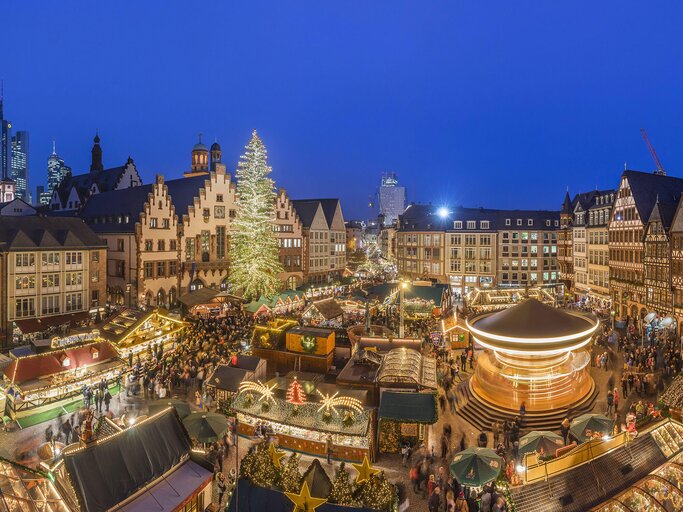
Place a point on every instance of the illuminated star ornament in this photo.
(364, 470)
(265, 392)
(304, 502)
(275, 455)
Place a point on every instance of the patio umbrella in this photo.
(588, 426)
(476, 466)
(206, 427)
(181, 406)
(540, 441)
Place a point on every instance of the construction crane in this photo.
(660, 170)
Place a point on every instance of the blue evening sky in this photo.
(481, 103)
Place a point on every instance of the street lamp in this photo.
(401, 306)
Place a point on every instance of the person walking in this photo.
(434, 502)
(328, 449)
(616, 399)
(564, 430)
(107, 400)
(461, 503)
(610, 403)
(495, 430)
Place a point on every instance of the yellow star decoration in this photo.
(304, 502)
(364, 470)
(275, 455)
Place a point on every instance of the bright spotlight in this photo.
(442, 212)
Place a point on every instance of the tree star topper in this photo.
(304, 502)
(364, 470)
(275, 455)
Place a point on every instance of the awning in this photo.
(408, 407)
(31, 325)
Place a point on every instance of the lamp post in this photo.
(401, 306)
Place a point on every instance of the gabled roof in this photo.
(227, 377)
(131, 202)
(318, 482)
(306, 211)
(647, 187)
(329, 208)
(566, 204)
(31, 232)
(664, 212)
(105, 180)
(49, 363)
(328, 309)
(115, 468)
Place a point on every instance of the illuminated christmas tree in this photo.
(290, 480)
(295, 393)
(258, 467)
(254, 252)
(342, 490)
(377, 493)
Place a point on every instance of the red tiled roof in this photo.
(49, 363)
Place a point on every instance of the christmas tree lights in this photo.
(254, 253)
(290, 479)
(295, 393)
(342, 489)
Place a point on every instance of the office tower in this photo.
(56, 171)
(392, 198)
(5, 139)
(19, 170)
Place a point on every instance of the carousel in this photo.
(534, 355)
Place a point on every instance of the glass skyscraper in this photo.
(392, 198)
(5, 140)
(19, 165)
(56, 171)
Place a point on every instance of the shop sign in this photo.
(437, 338)
(58, 342)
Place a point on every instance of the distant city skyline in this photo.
(465, 102)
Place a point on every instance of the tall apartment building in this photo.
(392, 198)
(324, 234)
(52, 272)
(590, 247)
(565, 245)
(633, 287)
(74, 191)
(477, 247)
(289, 229)
(5, 140)
(19, 165)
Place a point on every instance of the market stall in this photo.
(39, 379)
(304, 414)
(324, 313)
(287, 346)
(404, 418)
(138, 332)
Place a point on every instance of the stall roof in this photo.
(115, 468)
(329, 309)
(408, 407)
(227, 377)
(249, 363)
(311, 331)
(36, 366)
(201, 296)
(317, 479)
(23, 489)
(618, 469)
(170, 491)
(31, 325)
(405, 365)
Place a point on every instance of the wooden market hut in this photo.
(324, 313)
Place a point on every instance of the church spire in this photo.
(96, 163)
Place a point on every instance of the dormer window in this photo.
(519, 222)
(95, 353)
(507, 222)
(457, 224)
(484, 224)
(547, 222)
(471, 224)
(530, 222)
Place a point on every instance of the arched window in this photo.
(161, 297)
(172, 297)
(195, 285)
(149, 297)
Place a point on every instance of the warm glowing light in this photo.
(523, 341)
(520, 468)
(330, 403)
(260, 388)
